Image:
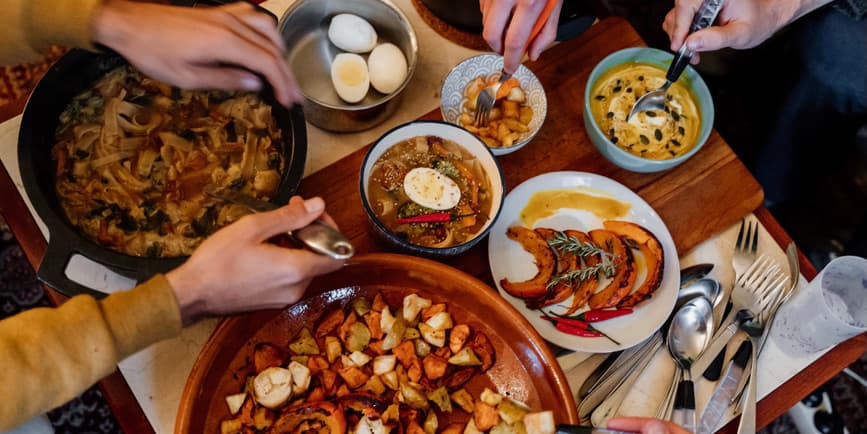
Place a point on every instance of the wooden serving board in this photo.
(706, 194)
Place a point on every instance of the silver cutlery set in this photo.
(697, 336)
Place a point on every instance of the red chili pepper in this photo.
(439, 217)
(576, 327)
(597, 315)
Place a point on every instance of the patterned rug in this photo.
(19, 291)
(18, 80)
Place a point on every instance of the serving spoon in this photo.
(690, 332)
(655, 100)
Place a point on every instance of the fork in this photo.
(486, 98)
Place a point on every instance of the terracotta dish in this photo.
(525, 368)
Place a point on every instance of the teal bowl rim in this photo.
(697, 85)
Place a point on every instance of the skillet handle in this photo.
(52, 270)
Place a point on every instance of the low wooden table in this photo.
(703, 196)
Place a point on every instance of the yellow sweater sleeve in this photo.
(48, 355)
(29, 27)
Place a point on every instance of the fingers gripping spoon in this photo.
(655, 100)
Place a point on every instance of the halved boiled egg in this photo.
(350, 77)
(431, 189)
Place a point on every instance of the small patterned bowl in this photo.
(483, 65)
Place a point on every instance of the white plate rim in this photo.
(651, 314)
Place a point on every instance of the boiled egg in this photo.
(352, 33)
(387, 66)
(431, 189)
(349, 76)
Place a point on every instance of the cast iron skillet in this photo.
(71, 75)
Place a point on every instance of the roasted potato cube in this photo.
(414, 428)
(300, 378)
(526, 115)
(305, 344)
(454, 428)
(390, 380)
(231, 426)
(328, 379)
(466, 119)
(300, 359)
(391, 413)
(515, 125)
(490, 397)
(374, 385)
(511, 411)
(342, 391)
(262, 418)
(511, 109)
(360, 305)
(422, 348)
(413, 395)
(434, 309)
(501, 428)
(483, 348)
(330, 323)
(373, 319)
(434, 366)
(273, 387)
(377, 347)
(540, 423)
(471, 428)
(333, 349)
(485, 416)
(411, 333)
(440, 397)
(266, 356)
(459, 378)
(458, 337)
(502, 132)
(440, 321)
(317, 364)
(414, 372)
(353, 377)
(495, 114)
(359, 359)
(370, 426)
(384, 364)
(432, 336)
(430, 423)
(412, 306)
(316, 394)
(465, 357)
(517, 94)
(463, 399)
(358, 337)
(405, 352)
(235, 402)
(378, 303)
(493, 143)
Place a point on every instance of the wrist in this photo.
(109, 26)
(188, 289)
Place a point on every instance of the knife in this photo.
(722, 396)
(578, 429)
(317, 236)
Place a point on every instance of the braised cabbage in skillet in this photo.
(133, 155)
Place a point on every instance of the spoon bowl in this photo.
(710, 289)
(690, 332)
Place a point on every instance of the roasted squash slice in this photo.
(545, 262)
(320, 417)
(565, 262)
(624, 276)
(654, 258)
(585, 288)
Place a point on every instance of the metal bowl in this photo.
(305, 29)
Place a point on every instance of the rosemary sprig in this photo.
(569, 244)
(570, 277)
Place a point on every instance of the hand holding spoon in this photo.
(655, 100)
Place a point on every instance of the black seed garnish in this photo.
(628, 90)
(614, 140)
(618, 82)
(672, 153)
(643, 151)
(668, 145)
(644, 139)
(657, 134)
(616, 89)
(669, 97)
(640, 78)
(651, 113)
(667, 110)
(611, 132)
(600, 98)
(631, 146)
(681, 131)
(675, 116)
(610, 115)
(675, 142)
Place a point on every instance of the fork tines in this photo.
(748, 242)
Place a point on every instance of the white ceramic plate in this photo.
(483, 65)
(509, 260)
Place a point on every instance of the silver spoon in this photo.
(689, 334)
(655, 100)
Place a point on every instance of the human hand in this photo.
(196, 48)
(644, 425)
(742, 23)
(235, 270)
(508, 24)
